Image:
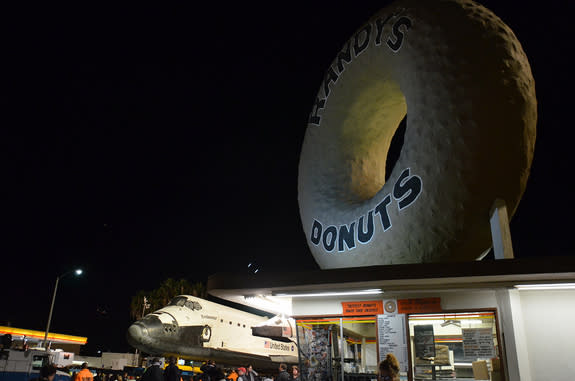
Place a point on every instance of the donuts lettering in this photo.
(353, 48)
(405, 192)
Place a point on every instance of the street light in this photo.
(78, 272)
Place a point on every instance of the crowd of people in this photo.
(85, 374)
(48, 373)
(388, 371)
(154, 372)
(212, 372)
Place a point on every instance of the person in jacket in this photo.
(153, 372)
(85, 374)
(47, 373)
(283, 375)
(209, 369)
(242, 374)
(232, 375)
(294, 373)
(251, 374)
(172, 372)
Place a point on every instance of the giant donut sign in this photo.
(462, 78)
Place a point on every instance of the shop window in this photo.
(460, 345)
(330, 346)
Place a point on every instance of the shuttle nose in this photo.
(143, 331)
(137, 334)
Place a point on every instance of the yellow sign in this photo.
(30, 334)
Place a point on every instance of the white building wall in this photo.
(450, 300)
(468, 300)
(513, 331)
(549, 321)
(319, 306)
(538, 327)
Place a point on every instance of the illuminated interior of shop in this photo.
(329, 344)
(459, 346)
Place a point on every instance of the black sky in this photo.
(163, 141)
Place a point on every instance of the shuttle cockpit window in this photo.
(193, 305)
(179, 301)
(182, 301)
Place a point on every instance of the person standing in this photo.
(208, 370)
(153, 372)
(242, 374)
(47, 373)
(283, 375)
(172, 372)
(85, 374)
(389, 368)
(233, 375)
(251, 374)
(294, 373)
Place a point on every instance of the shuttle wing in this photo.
(287, 359)
(277, 328)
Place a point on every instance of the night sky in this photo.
(143, 143)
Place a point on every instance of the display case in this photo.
(441, 367)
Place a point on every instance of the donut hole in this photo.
(395, 148)
(370, 138)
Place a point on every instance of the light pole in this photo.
(77, 272)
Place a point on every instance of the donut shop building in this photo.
(507, 319)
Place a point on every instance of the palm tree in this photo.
(198, 289)
(161, 296)
(138, 305)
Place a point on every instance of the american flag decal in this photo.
(266, 344)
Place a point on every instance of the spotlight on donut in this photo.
(462, 78)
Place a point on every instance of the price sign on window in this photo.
(478, 343)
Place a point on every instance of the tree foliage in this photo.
(162, 295)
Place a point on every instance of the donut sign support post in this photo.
(462, 80)
(500, 232)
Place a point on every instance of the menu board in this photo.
(478, 343)
(392, 338)
(424, 341)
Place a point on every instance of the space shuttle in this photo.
(197, 329)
